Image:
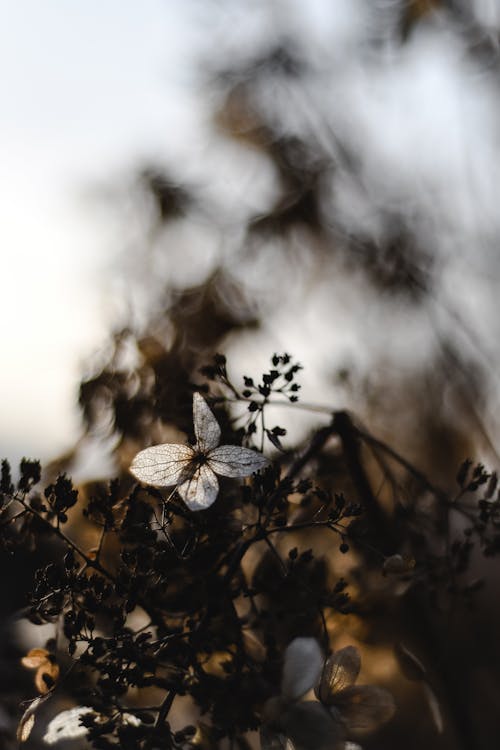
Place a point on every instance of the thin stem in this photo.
(95, 564)
(13, 518)
(300, 526)
(305, 406)
(277, 556)
(101, 542)
(155, 615)
(165, 708)
(317, 443)
(410, 468)
(349, 436)
(263, 428)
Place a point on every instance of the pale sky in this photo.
(86, 94)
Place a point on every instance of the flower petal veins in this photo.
(233, 461)
(364, 708)
(162, 465)
(193, 470)
(200, 490)
(206, 427)
(341, 670)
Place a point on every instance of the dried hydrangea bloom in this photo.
(360, 708)
(342, 712)
(193, 469)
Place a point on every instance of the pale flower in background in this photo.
(342, 712)
(193, 469)
(67, 726)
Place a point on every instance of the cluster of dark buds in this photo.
(203, 580)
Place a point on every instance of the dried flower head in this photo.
(342, 712)
(193, 469)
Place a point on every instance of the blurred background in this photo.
(180, 178)
(337, 161)
(89, 94)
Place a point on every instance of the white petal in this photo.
(162, 465)
(302, 667)
(206, 427)
(66, 725)
(233, 461)
(200, 491)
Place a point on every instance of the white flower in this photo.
(342, 712)
(193, 469)
(66, 725)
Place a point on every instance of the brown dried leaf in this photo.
(46, 677)
(35, 658)
(28, 719)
